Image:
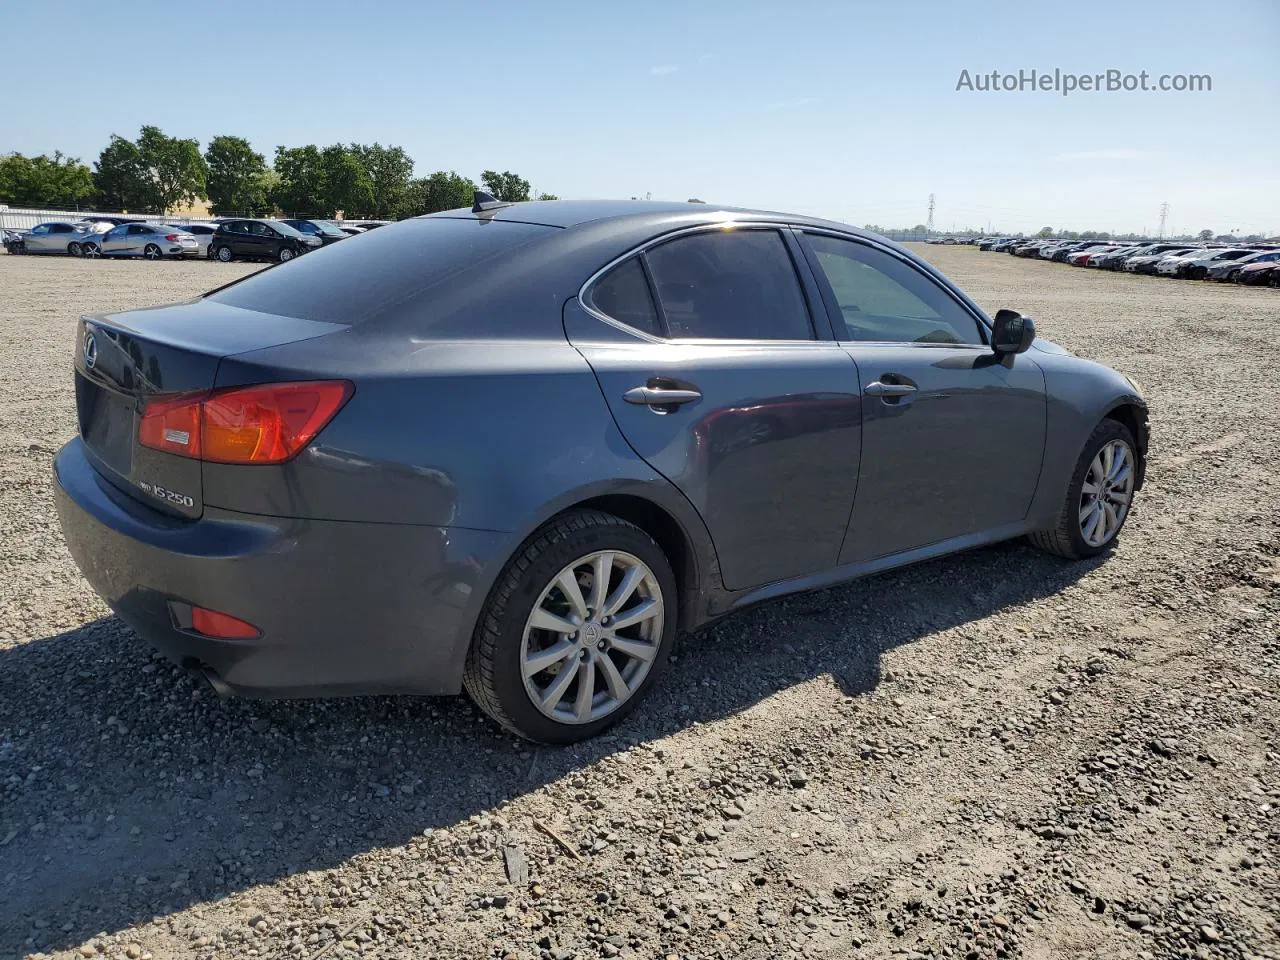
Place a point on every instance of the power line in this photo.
(929, 223)
(1164, 216)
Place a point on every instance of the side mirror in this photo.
(1011, 332)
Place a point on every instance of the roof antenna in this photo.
(485, 202)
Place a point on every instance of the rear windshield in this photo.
(352, 282)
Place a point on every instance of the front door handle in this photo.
(660, 396)
(878, 389)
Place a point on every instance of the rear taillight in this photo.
(266, 423)
(171, 237)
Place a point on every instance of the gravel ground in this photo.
(996, 755)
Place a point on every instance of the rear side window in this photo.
(623, 293)
(352, 282)
(63, 228)
(730, 285)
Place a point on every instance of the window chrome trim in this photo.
(721, 225)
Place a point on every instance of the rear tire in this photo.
(91, 251)
(223, 254)
(152, 252)
(1073, 537)
(513, 657)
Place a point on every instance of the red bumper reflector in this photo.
(211, 623)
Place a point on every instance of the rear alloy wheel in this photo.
(73, 249)
(223, 254)
(152, 252)
(578, 627)
(1099, 498)
(285, 255)
(91, 250)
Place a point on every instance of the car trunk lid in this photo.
(123, 360)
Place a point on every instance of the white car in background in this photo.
(203, 232)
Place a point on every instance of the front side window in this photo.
(882, 298)
(729, 284)
(40, 231)
(623, 294)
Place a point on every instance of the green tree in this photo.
(44, 181)
(505, 186)
(547, 196)
(1045, 232)
(348, 188)
(1204, 235)
(390, 170)
(442, 190)
(175, 169)
(299, 188)
(237, 177)
(120, 177)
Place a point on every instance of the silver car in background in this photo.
(203, 232)
(154, 241)
(53, 237)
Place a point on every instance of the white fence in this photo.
(13, 218)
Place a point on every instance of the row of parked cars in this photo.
(225, 238)
(1254, 264)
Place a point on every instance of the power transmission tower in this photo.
(929, 223)
(1164, 215)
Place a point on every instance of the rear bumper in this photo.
(343, 608)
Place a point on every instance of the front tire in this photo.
(73, 249)
(223, 254)
(285, 255)
(577, 629)
(1099, 498)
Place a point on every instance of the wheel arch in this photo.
(1133, 415)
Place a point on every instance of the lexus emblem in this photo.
(90, 348)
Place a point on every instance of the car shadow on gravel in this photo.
(129, 791)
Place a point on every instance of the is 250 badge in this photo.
(165, 494)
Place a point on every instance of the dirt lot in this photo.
(995, 755)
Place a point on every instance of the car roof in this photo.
(571, 213)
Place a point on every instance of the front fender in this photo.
(1079, 394)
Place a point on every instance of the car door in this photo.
(37, 241)
(952, 435)
(135, 238)
(113, 241)
(709, 358)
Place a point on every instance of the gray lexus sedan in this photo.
(516, 448)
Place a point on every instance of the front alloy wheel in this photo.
(577, 628)
(1106, 493)
(285, 254)
(1099, 497)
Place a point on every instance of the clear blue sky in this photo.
(843, 109)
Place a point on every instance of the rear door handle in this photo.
(660, 396)
(877, 389)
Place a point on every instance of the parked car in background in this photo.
(1229, 270)
(1258, 274)
(260, 240)
(326, 231)
(1115, 259)
(53, 237)
(370, 224)
(115, 221)
(151, 241)
(351, 231)
(329, 478)
(1147, 262)
(203, 232)
(1081, 258)
(1196, 266)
